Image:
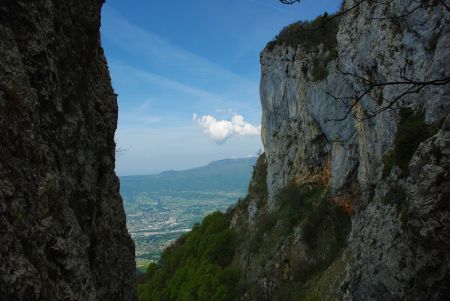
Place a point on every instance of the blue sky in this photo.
(187, 76)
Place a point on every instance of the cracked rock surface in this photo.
(62, 225)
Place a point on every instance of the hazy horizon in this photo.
(184, 169)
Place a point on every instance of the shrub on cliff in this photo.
(320, 31)
(196, 266)
(326, 228)
(411, 131)
(309, 34)
(295, 203)
(305, 211)
(258, 185)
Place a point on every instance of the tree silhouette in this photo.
(289, 1)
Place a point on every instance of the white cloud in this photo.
(221, 130)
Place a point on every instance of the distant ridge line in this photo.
(212, 163)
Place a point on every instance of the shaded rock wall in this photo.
(62, 224)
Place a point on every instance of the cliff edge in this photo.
(382, 157)
(62, 225)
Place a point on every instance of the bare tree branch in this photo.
(329, 17)
(370, 86)
(289, 1)
(406, 84)
(445, 5)
(407, 12)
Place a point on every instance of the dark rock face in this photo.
(62, 225)
(399, 245)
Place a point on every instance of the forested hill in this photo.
(222, 175)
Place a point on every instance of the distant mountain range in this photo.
(222, 175)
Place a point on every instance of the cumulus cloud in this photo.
(221, 130)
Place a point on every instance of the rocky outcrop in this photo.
(300, 111)
(62, 224)
(399, 243)
(391, 171)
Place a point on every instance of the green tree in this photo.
(196, 267)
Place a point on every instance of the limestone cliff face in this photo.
(299, 114)
(62, 225)
(398, 246)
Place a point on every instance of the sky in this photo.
(187, 77)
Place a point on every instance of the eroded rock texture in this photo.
(62, 224)
(398, 246)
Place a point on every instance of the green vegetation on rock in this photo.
(258, 186)
(196, 267)
(322, 29)
(320, 63)
(205, 263)
(322, 286)
(162, 207)
(411, 131)
(301, 210)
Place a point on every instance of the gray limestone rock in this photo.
(399, 244)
